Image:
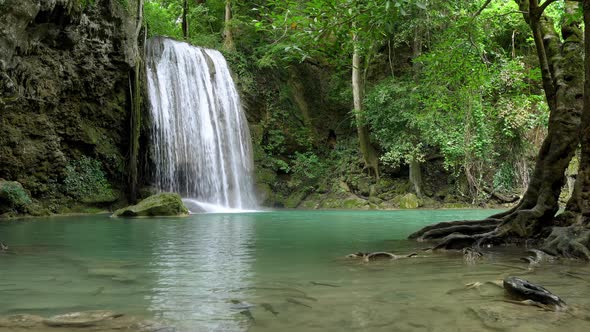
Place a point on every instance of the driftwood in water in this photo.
(524, 290)
(3, 247)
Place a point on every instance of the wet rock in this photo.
(97, 320)
(20, 321)
(81, 319)
(165, 204)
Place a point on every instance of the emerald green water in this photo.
(187, 271)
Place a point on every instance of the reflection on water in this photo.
(285, 270)
(199, 270)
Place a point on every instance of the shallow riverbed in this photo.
(274, 271)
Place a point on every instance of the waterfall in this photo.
(200, 139)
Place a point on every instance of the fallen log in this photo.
(524, 290)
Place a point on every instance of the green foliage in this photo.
(14, 195)
(85, 179)
(505, 178)
(307, 169)
(160, 21)
(86, 3)
(164, 18)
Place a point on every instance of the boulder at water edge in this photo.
(160, 205)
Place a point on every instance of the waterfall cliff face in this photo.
(200, 137)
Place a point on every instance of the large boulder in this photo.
(160, 205)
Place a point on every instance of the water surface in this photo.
(198, 273)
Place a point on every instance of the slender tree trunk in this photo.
(415, 167)
(416, 177)
(368, 151)
(228, 38)
(185, 19)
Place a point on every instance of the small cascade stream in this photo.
(200, 137)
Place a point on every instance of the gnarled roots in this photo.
(571, 239)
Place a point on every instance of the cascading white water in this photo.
(200, 137)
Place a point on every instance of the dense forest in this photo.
(368, 105)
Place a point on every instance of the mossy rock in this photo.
(160, 205)
(295, 199)
(13, 197)
(312, 201)
(354, 203)
(409, 201)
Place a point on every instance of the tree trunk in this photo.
(563, 84)
(416, 177)
(415, 171)
(185, 19)
(228, 39)
(368, 151)
(580, 200)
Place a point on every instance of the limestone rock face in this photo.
(64, 73)
(160, 205)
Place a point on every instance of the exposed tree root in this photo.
(570, 242)
(443, 229)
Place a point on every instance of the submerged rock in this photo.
(160, 205)
(96, 320)
(81, 319)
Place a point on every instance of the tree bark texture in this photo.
(185, 19)
(370, 155)
(228, 38)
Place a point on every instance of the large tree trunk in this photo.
(368, 151)
(563, 84)
(573, 240)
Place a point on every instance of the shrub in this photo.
(86, 180)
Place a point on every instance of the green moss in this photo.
(165, 204)
(312, 201)
(295, 199)
(409, 201)
(13, 197)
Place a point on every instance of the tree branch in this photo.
(544, 6)
(481, 9)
